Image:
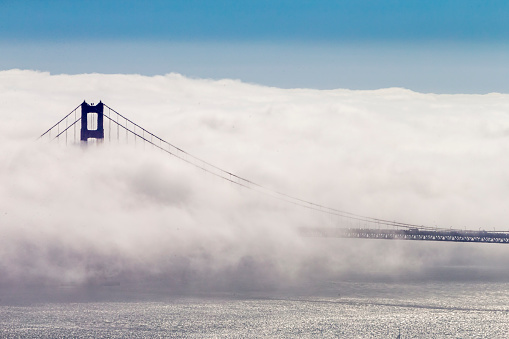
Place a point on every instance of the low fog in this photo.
(125, 213)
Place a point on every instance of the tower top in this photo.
(88, 113)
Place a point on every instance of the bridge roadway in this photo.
(408, 234)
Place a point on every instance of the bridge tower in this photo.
(92, 130)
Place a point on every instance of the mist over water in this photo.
(121, 213)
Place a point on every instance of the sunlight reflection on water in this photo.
(432, 310)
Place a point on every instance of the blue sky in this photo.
(432, 46)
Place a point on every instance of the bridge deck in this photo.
(408, 234)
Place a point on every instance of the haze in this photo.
(128, 213)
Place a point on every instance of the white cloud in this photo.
(124, 212)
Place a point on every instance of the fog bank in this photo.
(117, 212)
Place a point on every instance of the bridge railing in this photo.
(408, 234)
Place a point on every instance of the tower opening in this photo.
(92, 119)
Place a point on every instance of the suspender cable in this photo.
(59, 122)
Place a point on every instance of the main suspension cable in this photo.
(246, 183)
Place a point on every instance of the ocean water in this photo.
(337, 309)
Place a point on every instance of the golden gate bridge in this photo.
(87, 121)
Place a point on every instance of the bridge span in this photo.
(102, 122)
(408, 234)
